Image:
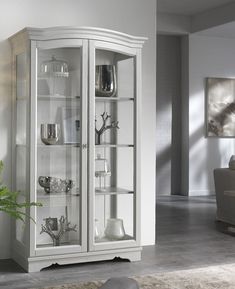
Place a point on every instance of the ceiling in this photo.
(189, 7)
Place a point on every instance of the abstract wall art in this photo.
(220, 113)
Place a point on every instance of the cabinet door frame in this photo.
(49, 44)
(136, 54)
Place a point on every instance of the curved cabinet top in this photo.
(91, 33)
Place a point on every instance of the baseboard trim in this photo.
(198, 193)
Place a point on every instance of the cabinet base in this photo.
(35, 264)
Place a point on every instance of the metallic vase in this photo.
(50, 133)
(105, 80)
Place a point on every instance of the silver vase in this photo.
(50, 133)
(105, 80)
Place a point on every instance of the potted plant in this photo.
(9, 203)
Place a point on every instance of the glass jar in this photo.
(54, 67)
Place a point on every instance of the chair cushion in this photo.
(120, 283)
(232, 162)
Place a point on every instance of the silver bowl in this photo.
(54, 185)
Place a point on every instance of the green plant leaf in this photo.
(9, 203)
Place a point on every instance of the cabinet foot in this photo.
(35, 264)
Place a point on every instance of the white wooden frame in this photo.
(130, 52)
(35, 45)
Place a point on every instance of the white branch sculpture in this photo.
(64, 227)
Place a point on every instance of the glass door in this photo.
(60, 149)
(113, 160)
(21, 152)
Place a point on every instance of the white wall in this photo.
(136, 17)
(208, 57)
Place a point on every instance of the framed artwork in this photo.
(53, 223)
(220, 113)
(71, 125)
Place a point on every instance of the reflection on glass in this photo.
(114, 153)
(22, 99)
(58, 151)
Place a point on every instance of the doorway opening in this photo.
(170, 68)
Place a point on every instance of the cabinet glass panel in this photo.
(58, 147)
(114, 154)
(21, 137)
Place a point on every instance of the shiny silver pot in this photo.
(105, 80)
(50, 133)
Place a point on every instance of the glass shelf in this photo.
(21, 145)
(98, 98)
(113, 145)
(22, 98)
(59, 146)
(112, 191)
(41, 194)
(58, 97)
(70, 244)
(105, 239)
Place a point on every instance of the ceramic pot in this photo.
(114, 229)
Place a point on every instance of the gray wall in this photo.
(168, 106)
(185, 115)
(202, 56)
(136, 17)
(168, 23)
(208, 57)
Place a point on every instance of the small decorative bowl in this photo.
(54, 185)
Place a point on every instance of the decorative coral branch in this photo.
(47, 229)
(63, 228)
(104, 127)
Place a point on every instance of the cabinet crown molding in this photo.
(68, 32)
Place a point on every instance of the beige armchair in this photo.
(225, 194)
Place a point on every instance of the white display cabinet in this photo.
(76, 145)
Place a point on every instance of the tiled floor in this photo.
(186, 238)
